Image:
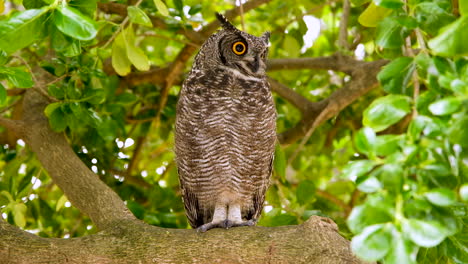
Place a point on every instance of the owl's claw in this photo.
(225, 224)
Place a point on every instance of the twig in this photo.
(343, 32)
(334, 199)
(241, 11)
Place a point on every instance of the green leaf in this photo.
(464, 192)
(386, 111)
(87, 7)
(179, 5)
(390, 34)
(3, 57)
(445, 106)
(291, 46)
(452, 39)
(369, 185)
(136, 55)
(396, 75)
(120, 61)
(19, 211)
(431, 17)
(373, 15)
(279, 162)
(356, 169)
(66, 45)
(463, 7)
(18, 77)
(74, 24)
(24, 28)
(56, 117)
(424, 233)
(401, 251)
(359, 2)
(3, 94)
(365, 140)
(61, 202)
(51, 108)
(387, 144)
(458, 133)
(161, 7)
(195, 9)
(391, 175)
(31, 4)
(366, 215)
(138, 16)
(373, 243)
(393, 4)
(305, 192)
(441, 197)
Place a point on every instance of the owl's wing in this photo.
(192, 208)
(186, 130)
(259, 196)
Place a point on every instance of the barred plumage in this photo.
(226, 131)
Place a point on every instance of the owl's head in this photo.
(236, 50)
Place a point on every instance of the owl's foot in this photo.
(225, 224)
(210, 225)
(229, 224)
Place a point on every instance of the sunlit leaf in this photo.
(161, 7)
(386, 111)
(396, 75)
(445, 106)
(424, 233)
(452, 39)
(441, 197)
(464, 192)
(373, 15)
(120, 61)
(74, 24)
(373, 243)
(24, 28)
(3, 94)
(136, 55)
(138, 16)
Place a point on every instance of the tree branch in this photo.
(82, 187)
(315, 241)
(363, 80)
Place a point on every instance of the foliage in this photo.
(391, 169)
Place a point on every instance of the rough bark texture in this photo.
(315, 241)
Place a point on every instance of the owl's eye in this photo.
(239, 48)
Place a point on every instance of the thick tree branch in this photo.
(316, 241)
(81, 186)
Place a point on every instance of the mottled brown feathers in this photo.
(225, 133)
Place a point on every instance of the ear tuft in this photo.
(224, 22)
(266, 37)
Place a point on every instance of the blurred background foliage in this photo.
(391, 169)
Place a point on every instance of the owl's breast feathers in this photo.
(225, 138)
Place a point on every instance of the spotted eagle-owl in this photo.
(226, 131)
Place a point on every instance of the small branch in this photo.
(343, 33)
(363, 80)
(334, 199)
(296, 99)
(336, 62)
(241, 10)
(16, 91)
(15, 125)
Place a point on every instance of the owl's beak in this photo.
(256, 65)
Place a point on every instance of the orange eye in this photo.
(239, 48)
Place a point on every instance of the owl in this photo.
(225, 131)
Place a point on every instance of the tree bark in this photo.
(131, 241)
